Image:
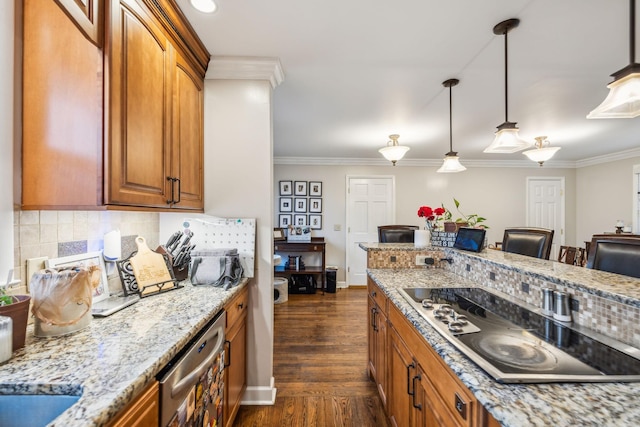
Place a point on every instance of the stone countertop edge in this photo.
(616, 287)
(112, 360)
(513, 405)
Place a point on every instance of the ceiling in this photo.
(357, 71)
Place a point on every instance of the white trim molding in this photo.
(260, 395)
(245, 68)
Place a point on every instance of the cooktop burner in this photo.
(515, 345)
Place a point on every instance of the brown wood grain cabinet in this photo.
(143, 411)
(235, 372)
(377, 339)
(87, 16)
(416, 386)
(125, 122)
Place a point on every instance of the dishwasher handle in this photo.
(191, 377)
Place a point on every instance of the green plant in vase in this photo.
(472, 220)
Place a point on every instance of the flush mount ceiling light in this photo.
(507, 139)
(623, 100)
(393, 152)
(206, 6)
(542, 152)
(451, 161)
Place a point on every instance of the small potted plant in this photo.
(17, 308)
(472, 220)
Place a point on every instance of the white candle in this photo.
(421, 238)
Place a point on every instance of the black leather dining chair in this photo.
(396, 233)
(615, 253)
(530, 241)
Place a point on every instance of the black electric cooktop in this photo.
(516, 345)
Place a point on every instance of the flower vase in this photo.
(422, 238)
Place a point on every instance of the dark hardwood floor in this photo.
(320, 365)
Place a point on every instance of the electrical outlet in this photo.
(337, 227)
(420, 259)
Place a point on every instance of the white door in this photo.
(545, 208)
(370, 203)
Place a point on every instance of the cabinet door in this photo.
(381, 356)
(87, 16)
(187, 154)
(143, 411)
(371, 337)
(402, 369)
(235, 372)
(139, 87)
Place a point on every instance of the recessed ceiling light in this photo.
(206, 6)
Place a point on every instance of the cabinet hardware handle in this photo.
(179, 191)
(240, 306)
(410, 366)
(461, 406)
(226, 365)
(374, 311)
(413, 398)
(373, 294)
(170, 201)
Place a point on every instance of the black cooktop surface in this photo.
(514, 344)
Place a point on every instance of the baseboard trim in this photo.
(260, 395)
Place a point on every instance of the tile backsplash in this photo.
(60, 233)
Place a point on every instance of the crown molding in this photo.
(334, 161)
(245, 68)
(606, 158)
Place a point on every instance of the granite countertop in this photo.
(514, 405)
(116, 357)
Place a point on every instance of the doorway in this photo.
(545, 208)
(370, 202)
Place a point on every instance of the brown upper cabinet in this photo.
(116, 127)
(86, 15)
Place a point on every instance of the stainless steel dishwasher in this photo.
(191, 386)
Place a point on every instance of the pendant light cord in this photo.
(632, 31)
(506, 78)
(450, 122)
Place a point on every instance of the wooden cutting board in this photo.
(148, 267)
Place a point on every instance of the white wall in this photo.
(238, 183)
(499, 194)
(605, 194)
(6, 137)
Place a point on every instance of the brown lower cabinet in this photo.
(143, 411)
(421, 389)
(377, 335)
(235, 371)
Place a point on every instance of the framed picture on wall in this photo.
(279, 234)
(300, 205)
(315, 205)
(286, 204)
(315, 222)
(286, 188)
(300, 220)
(300, 188)
(285, 220)
(315, 188)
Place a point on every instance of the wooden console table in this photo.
(316, 246)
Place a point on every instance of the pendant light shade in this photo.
(623, 100)
(393, 152)
(507, 139)
(541, 153)
(205, 6)
(451, 161)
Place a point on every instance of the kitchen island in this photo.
(113, 360)
(562, 404)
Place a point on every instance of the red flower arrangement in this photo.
(432, 216)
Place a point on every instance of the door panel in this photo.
(370, 203)
(545, 208)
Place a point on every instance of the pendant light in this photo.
(542, 152)
(393, 152)
(205, 6)
(507, 139)
(623, 100)
(451, 161)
